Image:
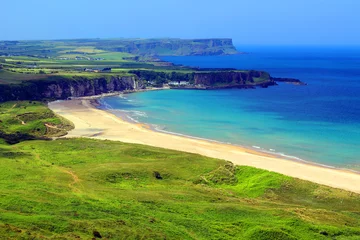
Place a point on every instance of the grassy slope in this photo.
(31, 118)
(70, 188)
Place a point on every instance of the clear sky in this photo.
(246, 21)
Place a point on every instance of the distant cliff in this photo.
(63, 88)
(139, 47)
(172, 47)
(58, 87)
(231, 79)
(215, 79)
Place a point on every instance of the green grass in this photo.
(113, 56)
(71, 187)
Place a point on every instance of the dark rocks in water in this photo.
(289, 80)
(97, 234)
(157, 175)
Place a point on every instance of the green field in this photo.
(18, 69)
(8, 77)
(80, 188)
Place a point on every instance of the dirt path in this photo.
(75, 179)
(73, 175)
(54, 127)
(51, 126)
(22, 122)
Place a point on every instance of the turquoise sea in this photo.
(319, 122)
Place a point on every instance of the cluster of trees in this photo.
(160, 78)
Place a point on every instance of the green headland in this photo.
(45, 70)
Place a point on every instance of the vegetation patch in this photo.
(225, 174)
(258, 233)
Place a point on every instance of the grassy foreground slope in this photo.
(85, 188)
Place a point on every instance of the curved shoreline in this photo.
(95, 123)
(259, 151)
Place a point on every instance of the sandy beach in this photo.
(94, 123)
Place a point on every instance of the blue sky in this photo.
(265, 22)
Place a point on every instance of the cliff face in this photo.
(65, 88)
(233, 79)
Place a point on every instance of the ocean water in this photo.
(319, 122)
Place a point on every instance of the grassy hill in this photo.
(84, 188)
(30, 120)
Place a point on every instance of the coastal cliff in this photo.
(60, 87)
(63, 88)
(232, 79)
(136, 47)
(172, 47)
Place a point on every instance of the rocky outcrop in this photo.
(236, 79)
(63, 88)
(289, 80)
(232, 79)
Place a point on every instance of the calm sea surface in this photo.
(319, 122)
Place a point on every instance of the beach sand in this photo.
(94, 123)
